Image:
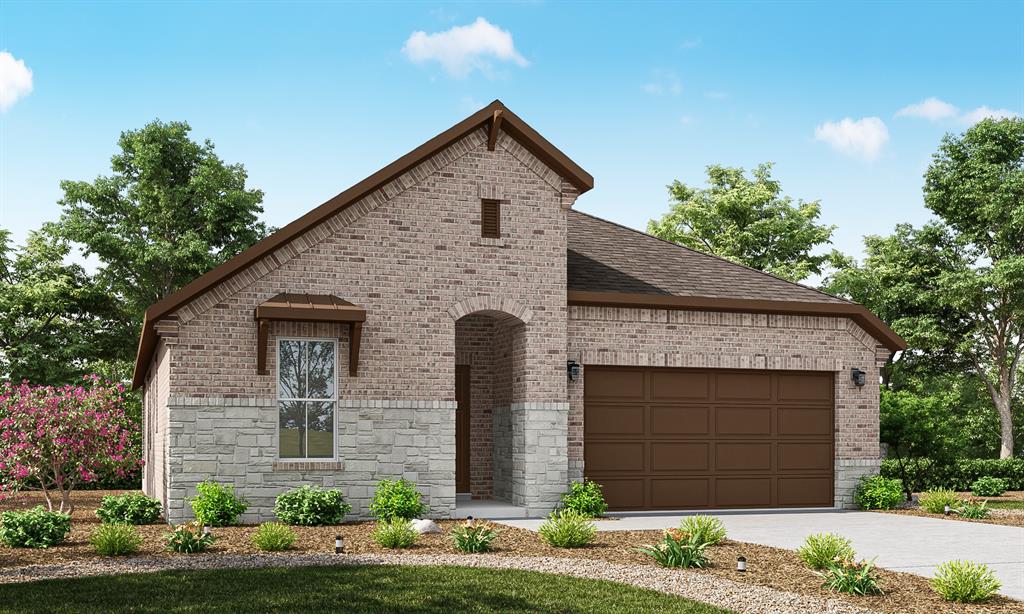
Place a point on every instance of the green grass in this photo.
(1006, 505)
(365, 589)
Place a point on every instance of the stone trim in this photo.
(394, 403)
(490, 303)
(539, 406)
(221, 402)
(285, 465)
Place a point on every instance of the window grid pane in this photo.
(306, 423)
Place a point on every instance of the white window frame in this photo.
(279, 399)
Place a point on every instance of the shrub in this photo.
(988, 486)
(678, 548)
(973, 509)
(965, 581)
(34, 528)
(706, 529)
(962, 473)
(273, 537)
(586, 498)
(113, 539)
(396, 499)
(188, 538)
(935, 501)
(395, 533)
(217, 505)
(129, 508)
(875, 492)
(474, 536)
(568, 529)
(821, 549)
(848, 576)
(311, 506)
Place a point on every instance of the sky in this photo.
(848, 100)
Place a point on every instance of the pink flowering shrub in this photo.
(54, 439)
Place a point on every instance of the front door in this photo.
(462, 403)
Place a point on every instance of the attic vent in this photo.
(490, 219)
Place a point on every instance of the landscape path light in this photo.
(741, 563)
(339, 545)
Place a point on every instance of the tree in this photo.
(747, 221)
(55, 323)
(170, 211)
(54, 439)
(919, 434)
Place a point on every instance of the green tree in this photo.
(55, 323)
(748, 221)
(170, 211)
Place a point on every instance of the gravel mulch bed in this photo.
(775, 569)
(1007, 517)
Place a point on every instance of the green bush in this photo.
(848, 576)
(678, 548)
(129, 508)
(988, 486)
(474, 536)
(935, 501)
(114, 539)
(217, 505)
(706, 529)
(395, 533)
(568, 529)
(34, 528)
(973, 509)
(273, 537)
(821, 549)
(965, 582)
(188, 538)
(397, 499)
(311, 506)
(586, 498)
(875, 492)
(962, 473)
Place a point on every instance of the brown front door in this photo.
(665, 438)
(462, 402)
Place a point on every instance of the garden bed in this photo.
(1007, 509)
(768, 567)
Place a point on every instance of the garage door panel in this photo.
(805, 492)
(614, 384)
(806, 387)
(743, 456)
(805, 421)
(743, 492)
(624, 493)
(743, 421)
(805, 456)
(752, 386)
(671, 385)
(615, 456)
(614, 420)
(680, 456)
(680, 420)
(680, 493)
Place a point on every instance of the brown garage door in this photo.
(662, 438)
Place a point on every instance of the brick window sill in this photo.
(490, 242)
(326, 465)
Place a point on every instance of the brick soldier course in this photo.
(405, 245)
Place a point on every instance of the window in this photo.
(490, 219)
(306, 398)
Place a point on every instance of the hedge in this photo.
(960, 474)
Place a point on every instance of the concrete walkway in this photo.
(905, 543)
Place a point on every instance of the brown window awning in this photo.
(309, 308)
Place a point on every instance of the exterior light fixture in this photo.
(469, 518)
(573, 369)
(946, 510)
(206, 529)
(859, 377)
(741, 564)
(339, 545)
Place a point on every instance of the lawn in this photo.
(341, 589)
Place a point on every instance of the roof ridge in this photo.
(715, 256)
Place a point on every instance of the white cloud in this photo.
(463, 49)
(975, 116)
(664, 82)
(15, 80)
(690, 43)
(686, 120)
(862, 138)
(931, 109)
(716, 95)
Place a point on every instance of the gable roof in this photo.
(613, 265)
(493, 114)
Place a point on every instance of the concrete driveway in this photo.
(906, 543)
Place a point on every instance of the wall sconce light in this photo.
(573, 369)
(339, 545)
(859, 377)
(741, 564)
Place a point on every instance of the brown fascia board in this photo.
(511, 124)
(860, 314)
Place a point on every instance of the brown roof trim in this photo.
(856, 312)
(309, 308)
(510, 123)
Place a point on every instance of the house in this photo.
(453, 320)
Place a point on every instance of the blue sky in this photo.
(314, 97)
